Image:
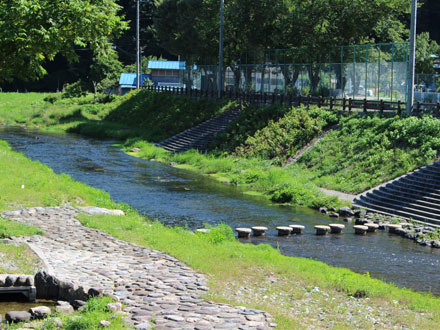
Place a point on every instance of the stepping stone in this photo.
(259, 230)
(243, 232)
(322, 230)
(336, 228)
(371, 227)
(202, 230)
(392, 228)
(360, 229)
(284, 231)
(297, 229)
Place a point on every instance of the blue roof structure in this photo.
(128, 80)
(167, 65)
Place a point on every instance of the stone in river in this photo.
(15, 317)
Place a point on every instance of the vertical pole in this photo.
(392, 73)
(366, 70)
(137, 44)
(220, 50)
(412, 58)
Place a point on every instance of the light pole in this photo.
(220, 51)
(137, 44)
(412, 58)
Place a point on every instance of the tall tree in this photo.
(32, 32)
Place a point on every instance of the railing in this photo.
(344, 104)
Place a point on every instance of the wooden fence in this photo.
(344, 104)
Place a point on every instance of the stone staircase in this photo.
(413, 196)
(201, 136)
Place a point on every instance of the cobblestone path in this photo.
(155, 287)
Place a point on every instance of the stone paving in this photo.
(155, 288)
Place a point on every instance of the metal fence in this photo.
(373, 72)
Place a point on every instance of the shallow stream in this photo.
(183, 198)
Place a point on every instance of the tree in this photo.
(425, 49)
(32, 32)
(105, 72)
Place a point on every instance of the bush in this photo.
(75, 89)
(281, 139)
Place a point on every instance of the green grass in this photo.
(365, 152)
(281, 185)
(88, 319)
(153, 116)
(228, 264)
(18, 260)
(10, 228)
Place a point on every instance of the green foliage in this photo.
(425, 48)
(365, 152)
(73, 90)
(32, 32)
(251, 119)
(218, 234)
(281, 139)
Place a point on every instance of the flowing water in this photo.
(182, 198)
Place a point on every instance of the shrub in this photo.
(75, 89)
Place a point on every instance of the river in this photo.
(182, 198)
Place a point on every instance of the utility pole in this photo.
(412, 59)
(137, 44)
(220, 51)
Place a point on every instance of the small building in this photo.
(167, 73)
(127, 82)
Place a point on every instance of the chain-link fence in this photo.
(373, 72)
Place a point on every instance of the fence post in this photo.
(418, 109)
(343, 104)
(309, 101)
(350, 104)
(264, 98)
(382, 107)
(364, 105)
(331, 103)
(399, 107)
(273, 98)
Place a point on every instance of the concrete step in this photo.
(393, 212)
(200, 136)
(418, 196)
(406, 199)
(402, 207)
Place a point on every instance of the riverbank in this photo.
(355, 154)
(298, 292)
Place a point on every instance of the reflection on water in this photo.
(178, 197)
(10, 306)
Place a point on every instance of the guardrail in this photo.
(344, 104)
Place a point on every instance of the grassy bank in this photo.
(258, 276)
(357, 154)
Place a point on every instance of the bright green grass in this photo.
(10, 228)
(225, 261)
(290, 184)
(365, 152)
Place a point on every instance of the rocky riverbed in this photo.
(155, 288)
